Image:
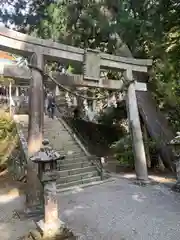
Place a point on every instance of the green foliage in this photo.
(8, 138)
(5, 81)
(150, 29)
(123, 150)
(113, 114)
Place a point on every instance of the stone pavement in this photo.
(121, 210)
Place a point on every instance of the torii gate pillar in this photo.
(36, 106)
(136, 132)
(91, 73)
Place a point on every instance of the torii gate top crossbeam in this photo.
(15, 42)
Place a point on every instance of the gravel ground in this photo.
(120, 210)
(117, 210)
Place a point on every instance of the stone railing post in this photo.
(94, 106)
(109, 100)
(113, 100)
(75, 101)
(57, 91)
(85, 103)
(68, 99)
(17, 91)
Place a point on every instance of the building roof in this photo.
(5, 55)
(6, 58)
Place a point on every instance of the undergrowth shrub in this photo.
(123, 150)
(8, 138)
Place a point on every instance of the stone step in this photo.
(77, 177)
(77, 183)
(74, 165)
(68, 139)
(72, 160)
(66, 150)
(65, 173)
(70, 148)
(75, 169)
(62, 191)
(62, 135)
(62, 144)
(61, 102)
(61, 129)
(67, 142)
(73, 155)
(60, 99)
(63, 147)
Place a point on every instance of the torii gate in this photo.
(40, 50)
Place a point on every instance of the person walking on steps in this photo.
(51, 105)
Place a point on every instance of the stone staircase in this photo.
(76, 169)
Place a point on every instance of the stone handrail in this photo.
(81, 143)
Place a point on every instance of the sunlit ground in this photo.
(8, 190)
(12, 199)
(153, 177)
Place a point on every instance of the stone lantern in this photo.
(175, 143)
(47, 165)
